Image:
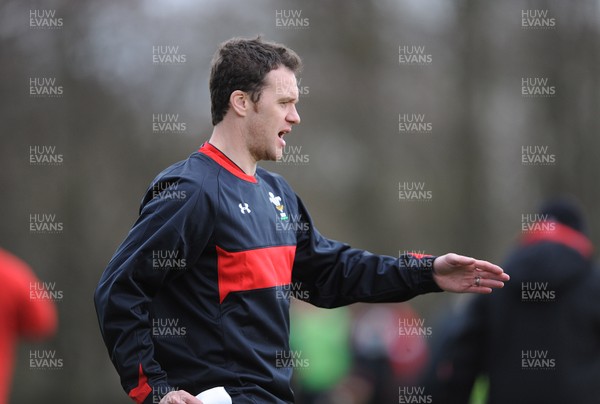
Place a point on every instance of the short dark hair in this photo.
(242, 64)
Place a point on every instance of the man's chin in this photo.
(277, 155)
(267, 156)
(274, 154)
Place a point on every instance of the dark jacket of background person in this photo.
(544, 325)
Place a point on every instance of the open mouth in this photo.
(281, 134)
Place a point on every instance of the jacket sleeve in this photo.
(334, 274)
(179, 225)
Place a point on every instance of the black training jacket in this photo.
(198, 294)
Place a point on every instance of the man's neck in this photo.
(230, 141)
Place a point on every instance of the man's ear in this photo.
(240, 102)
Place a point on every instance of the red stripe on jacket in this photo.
(254, 269)
(139, 393)
(561, 234)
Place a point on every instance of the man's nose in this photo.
(293, 116)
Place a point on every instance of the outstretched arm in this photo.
(334, 274)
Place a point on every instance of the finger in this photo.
(488, 267)
(187, 398)
(480, 289)
(459, 260)
(170, 398)
(180, 397)
(491, 283)
(503, 277)
(191, 400)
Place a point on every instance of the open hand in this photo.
(459, 274)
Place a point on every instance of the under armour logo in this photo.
(244, 208)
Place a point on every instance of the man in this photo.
(245, 237)
(539, 340)
(25, 313)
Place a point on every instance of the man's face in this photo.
(273, 115)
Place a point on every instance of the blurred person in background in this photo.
(239, 235)
(361, 356)
(22, 316)
(389, 352)
(538, 341)
(322, 339)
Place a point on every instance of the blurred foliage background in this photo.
(354, 91)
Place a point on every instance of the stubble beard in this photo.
(259, 145)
